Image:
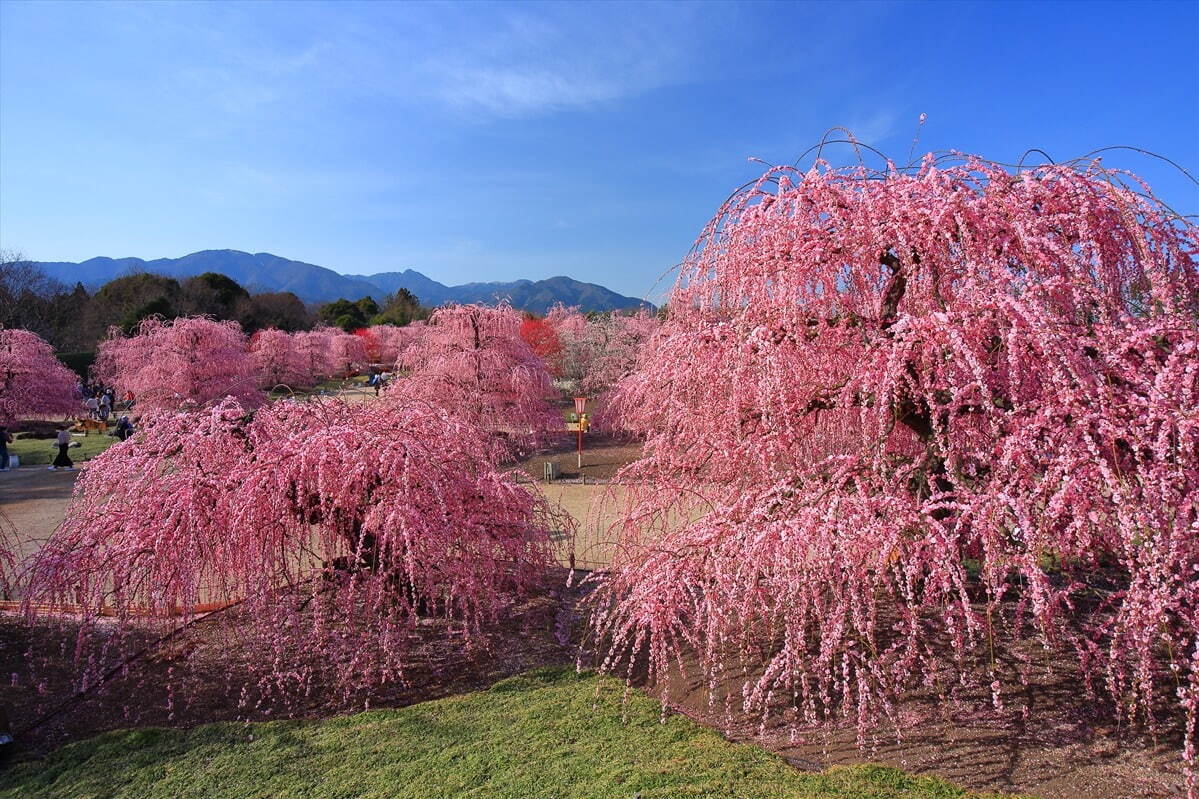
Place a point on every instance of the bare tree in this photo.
(26, 295)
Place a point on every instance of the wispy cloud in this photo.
(557, 58)
(875, 127)
(551, 58)
(491, 60)
(519, 91)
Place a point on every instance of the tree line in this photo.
(74, 320)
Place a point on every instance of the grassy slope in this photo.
(548, 733)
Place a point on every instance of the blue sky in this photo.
(506, 140)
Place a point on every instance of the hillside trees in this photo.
(280, 310)
(349, 316)
(126, 301)
(914, 417)
(32, 381)
(211, 294)
(32, 301)
(399, 309)
(471, 361)
(182, 363)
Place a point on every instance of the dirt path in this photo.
(35, 501)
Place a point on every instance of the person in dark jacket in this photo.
(124, 428)
(5, 440)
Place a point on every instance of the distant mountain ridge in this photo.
(311, 283)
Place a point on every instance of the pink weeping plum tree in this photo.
(472, 361)
(181, 363)
(312, 352)
(614, 342)
(391, 340)
(347, 354)
(899, 421)
(326, 528)
(9, 562)
(32, 380)
(280, 360)
(571, 329)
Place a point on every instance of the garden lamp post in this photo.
(580, 407)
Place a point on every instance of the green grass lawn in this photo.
(548, 733)
(40, 452)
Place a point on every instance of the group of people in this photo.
(98, 399)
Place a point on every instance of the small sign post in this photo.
(580, 408)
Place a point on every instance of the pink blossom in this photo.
(335, 525)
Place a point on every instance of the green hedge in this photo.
(78, 362)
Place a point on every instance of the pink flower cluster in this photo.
(192, 361)
(896, 422)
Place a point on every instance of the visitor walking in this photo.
(105, 407)
(63, 461)
(5, 440)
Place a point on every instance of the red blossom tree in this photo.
(371, 350)
(332, 525)
(32, 380)
(181, 363)
(914, 416)
(471, 361)
(540, 336)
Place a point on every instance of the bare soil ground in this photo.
(603, 456)
(1064, 748)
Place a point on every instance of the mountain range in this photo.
(260, 272)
